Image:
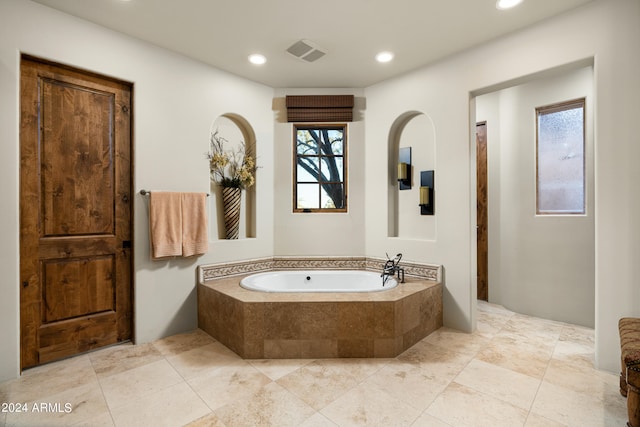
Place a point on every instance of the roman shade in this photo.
(319, 108)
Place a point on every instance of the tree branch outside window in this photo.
(319, 174)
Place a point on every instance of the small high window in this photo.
(560, 158)
(320, 156)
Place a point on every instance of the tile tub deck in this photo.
(263, 325)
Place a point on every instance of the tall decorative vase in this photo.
(231, 207)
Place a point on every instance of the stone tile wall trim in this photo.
(236, 268)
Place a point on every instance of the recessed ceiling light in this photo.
(507, 4)
(384, 57)
(257, 59)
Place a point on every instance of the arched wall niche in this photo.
(413, 129)
(235, 129)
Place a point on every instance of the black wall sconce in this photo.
(404, 168)
(427, 200)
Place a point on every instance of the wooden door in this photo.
(75, 212)
(482, 212)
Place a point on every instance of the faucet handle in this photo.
(397, 259)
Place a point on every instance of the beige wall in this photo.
(405, 221)
(176, 101)
(298, 234)
(607, 32)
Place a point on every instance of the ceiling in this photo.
(223, 33)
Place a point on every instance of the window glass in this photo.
(560, 158)
(319, 174)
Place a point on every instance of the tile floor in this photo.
(514, 370)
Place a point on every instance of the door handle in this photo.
(126, 244)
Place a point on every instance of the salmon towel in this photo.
(165, 223)
(195, 232)
(177, 224)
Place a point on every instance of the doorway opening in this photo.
(538, 265)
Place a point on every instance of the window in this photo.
(560, 167)
(320, 168)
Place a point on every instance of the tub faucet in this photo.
(391, 268)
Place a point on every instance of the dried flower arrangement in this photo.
(231, 168)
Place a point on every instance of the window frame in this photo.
(333, 126)
(554, 108)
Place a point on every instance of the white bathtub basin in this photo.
(318, 281)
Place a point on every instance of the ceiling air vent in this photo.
(306, 50)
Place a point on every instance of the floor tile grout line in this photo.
(502, 327)
(248, 364)
(159, 390)
(163, 357)
(453, 379)
(475, 358)
(535, 397)
(188, 384)
(211, 410)
(425, 412)
(325, 417)
(104, 397)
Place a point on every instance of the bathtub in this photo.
(318, 281)
(322, 323)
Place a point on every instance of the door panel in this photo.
(482, 212)
(76, 137)
(68, 337)
(78, 287)
(75, 213)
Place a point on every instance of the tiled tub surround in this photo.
(217, 271)
(263, 325)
